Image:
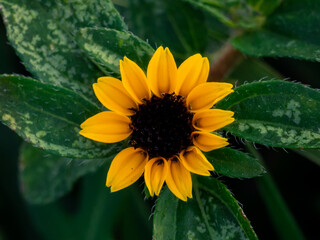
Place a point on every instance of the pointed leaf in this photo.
(46, 177)
(275, 113)
(232, 13)
(49, 117)
(107, 46)
(42, 31)
(93, 212)
(212, 213)
(265, 43)
(288, 32)
(233, 163)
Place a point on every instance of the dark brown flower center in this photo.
(162, 126)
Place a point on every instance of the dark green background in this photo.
(296, 177)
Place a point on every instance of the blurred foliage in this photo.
(290, 31)
(311, 154)
(46, 177)
(175, 24)
(234, 13)
(94, 213)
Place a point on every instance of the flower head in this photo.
(168, 117)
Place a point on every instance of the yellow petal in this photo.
(126, 168)
(207, 141)
(205, 95)
(106, 127)
(161, 72)
(179, 179)
(212, 119)
(134, 80)
(192, 72)
(194, 161)
(155, 174)
(112, 94)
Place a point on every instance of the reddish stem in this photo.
(226, 60)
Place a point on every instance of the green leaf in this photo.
(42, 33)
(212, 213)
(217, 9)
(49, 117)
(233, 163)
(106, 47)
(260, 70)
(232, 13)
(275, 113)
(288, 32)
(46, 177)
(265, 43)
(92, 212)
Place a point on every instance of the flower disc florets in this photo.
(162, 126)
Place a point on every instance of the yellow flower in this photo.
(168, 117)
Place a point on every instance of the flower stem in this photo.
(223, 62)
(280, 215)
